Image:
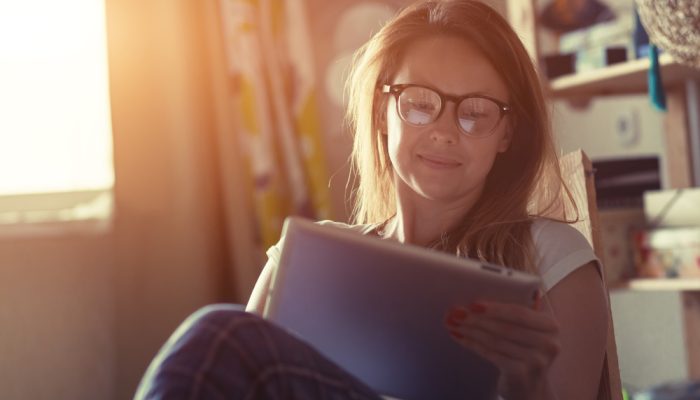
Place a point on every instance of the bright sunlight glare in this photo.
(55, 127)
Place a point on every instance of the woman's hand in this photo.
(519, 341)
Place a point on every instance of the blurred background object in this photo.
(674, 26)
(569, 15)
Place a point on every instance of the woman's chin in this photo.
(438, 193)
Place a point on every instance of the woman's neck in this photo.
(422, 221)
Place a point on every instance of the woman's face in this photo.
(438, 161)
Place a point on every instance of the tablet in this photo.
(376, 308)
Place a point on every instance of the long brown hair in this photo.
(522, 180)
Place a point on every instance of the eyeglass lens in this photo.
(476, 116)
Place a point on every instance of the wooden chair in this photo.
(578, 174)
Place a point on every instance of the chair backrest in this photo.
(578, 174)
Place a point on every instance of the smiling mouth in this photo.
(438, 162)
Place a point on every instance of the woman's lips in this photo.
(439, 162)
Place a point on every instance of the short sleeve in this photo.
(274, 252)
(561, 249)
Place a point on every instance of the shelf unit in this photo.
(659, 284)
(618, 79)
(682, 85)
(682, 122)
(681, 133)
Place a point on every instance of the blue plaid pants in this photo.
(222, 352)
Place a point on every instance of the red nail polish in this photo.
(537, 301)
(457, 334)
(457, 316)
(477, 308)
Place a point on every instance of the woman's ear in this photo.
(504, 142)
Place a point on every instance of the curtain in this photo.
(271, 80)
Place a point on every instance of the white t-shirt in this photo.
(560, 249)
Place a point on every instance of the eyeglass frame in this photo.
(398, 88)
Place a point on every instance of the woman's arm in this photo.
(579, 304)
(555, 352)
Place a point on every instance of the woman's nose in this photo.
(445, 129)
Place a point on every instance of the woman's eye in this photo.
(423, 106)
(473, 115)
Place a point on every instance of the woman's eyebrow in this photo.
(417, 79)
(480, 93)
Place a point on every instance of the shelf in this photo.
(625, 78)
(680, 284)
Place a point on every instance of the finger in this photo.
(457, 336)
(458, 319)
(505, 363)
(516, 315)
(521, 336)
(455, 317)
(517, 377)
(538, 357)
(537, 302)
(453, 325)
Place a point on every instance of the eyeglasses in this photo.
(476, 115)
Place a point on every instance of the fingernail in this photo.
(537, 301)
(457, 315)
(454, 322)
(477, 308)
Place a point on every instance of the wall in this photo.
(649, 338)
(56, 318)
(648, 325)
(595, 127)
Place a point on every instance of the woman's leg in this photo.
(222, 352)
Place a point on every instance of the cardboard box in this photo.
(667, 252)
(616, 227)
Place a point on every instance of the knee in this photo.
(186, 351)
(217, 314)
(214, 318)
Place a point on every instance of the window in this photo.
(55, 127)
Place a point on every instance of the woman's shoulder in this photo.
(559, 250)
(547, 231)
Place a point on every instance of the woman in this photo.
(452, 147)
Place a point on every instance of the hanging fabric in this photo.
(270, 63)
